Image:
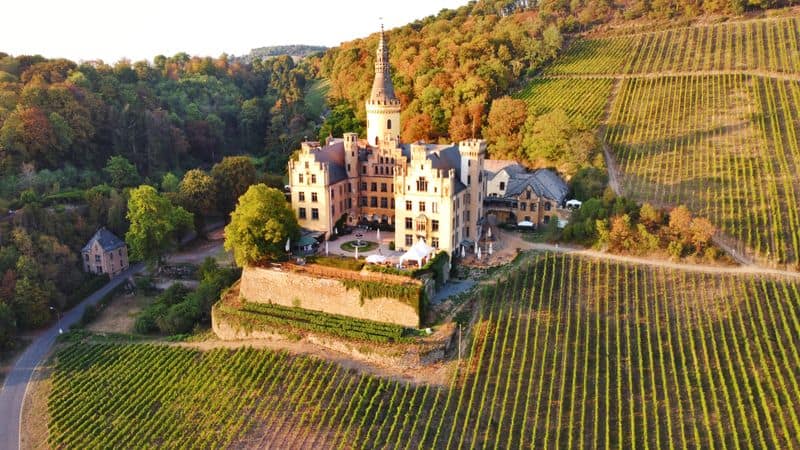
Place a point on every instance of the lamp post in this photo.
(58, 319)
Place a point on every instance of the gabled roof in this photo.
(108, 241)
(333, 155)
(497, 165)
(544, 182)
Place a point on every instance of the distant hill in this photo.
(295, 51)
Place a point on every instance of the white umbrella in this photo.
(489, 233)
(356, 252)
(288, 244)
(335, 231)
(491, 250)
(476, 246)
(463, 252)
(326, 248)
(479, 253)
(378, 236)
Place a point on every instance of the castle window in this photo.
(314, 214)
(348, 167)
(435, 242)
(408, 224)
(363, 170)
(314, 197)
(533, 206)
(333, 210)
(373, 202)
(300, 178)
(409, 240)
(469, 179)
(522, 206)
(392, 204)
(376, 140)
(389, 124)
(408, 205)
(421, 206)
(546, 219)
(306, 164)
(547, 206)
(363, 185)
(374, 187)
(384, 202)
(434, 225)
(434, 207)
(502, 185)
(363, 201)
(421, 225)
(383, 187)
(313, 179)
(422, 184)
(301, 196)
(333, 191)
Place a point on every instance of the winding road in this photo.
(16, 383)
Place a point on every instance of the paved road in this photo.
(16, 382)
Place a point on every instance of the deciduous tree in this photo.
(154, 224)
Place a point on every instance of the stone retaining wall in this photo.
(312, 291)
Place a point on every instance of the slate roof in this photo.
(544, 182)
(108, 241)
(333, 155)
(495, 166)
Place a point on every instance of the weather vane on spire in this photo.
(381, 19)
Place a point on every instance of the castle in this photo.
(426, 191)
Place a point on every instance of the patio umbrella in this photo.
(356, 252)
(288, 244)
(463, 252)
(335, 231)
(491, 250)
(489, 233)
(326, 248)
(476, 246)
(479, 253)
(378, 236)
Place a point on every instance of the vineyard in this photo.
(567, 352)
(756, 45)
(586, 98)
(726, 146)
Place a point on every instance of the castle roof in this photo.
(382, 87)
(332, 155)
(544, 182)
(494, 167)
(108, 241)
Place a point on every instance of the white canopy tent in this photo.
(419, 252)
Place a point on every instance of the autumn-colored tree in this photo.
(650, 216)
(702, 231)
(680, 220)
(504, 126)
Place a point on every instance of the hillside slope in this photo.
(706, 116)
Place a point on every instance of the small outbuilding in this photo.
(105, 253)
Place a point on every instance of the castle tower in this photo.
(473, 153)
(383, 108)
(351, 154)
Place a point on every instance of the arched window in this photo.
(389, 124)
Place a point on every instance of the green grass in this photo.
(316, 98)
(349, 246)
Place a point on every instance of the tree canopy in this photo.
(260, 226)
(154, 224)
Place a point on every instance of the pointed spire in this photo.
(382, 88)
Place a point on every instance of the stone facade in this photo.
(105, 254)
(427, 191)
(311, 290)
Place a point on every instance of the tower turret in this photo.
(351, 154)
(383, 108)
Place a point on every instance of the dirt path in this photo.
(611, 163)
(436, 374)
(678, 73)
(739, 270)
